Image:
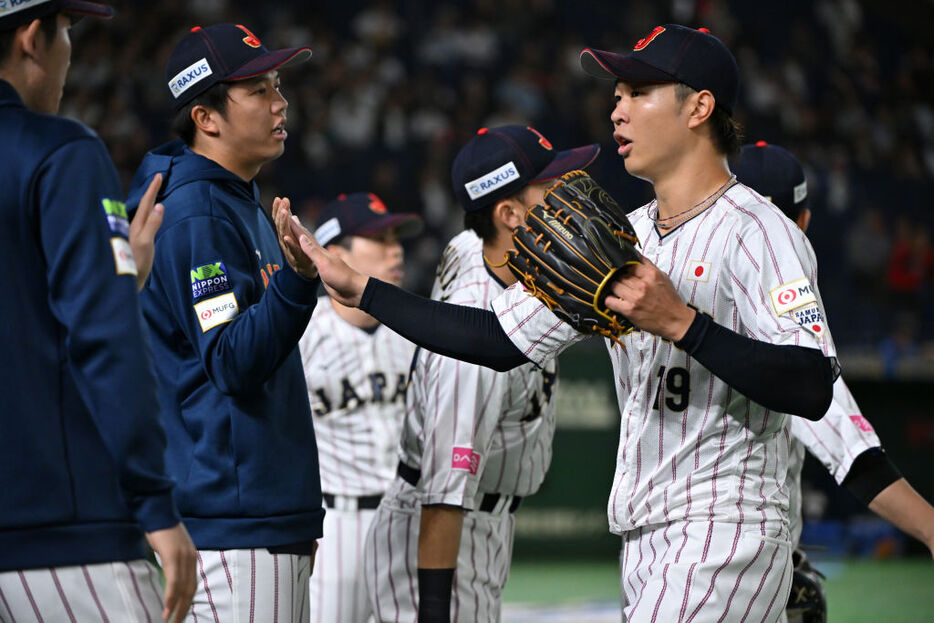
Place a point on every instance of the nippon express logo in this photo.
(465, 459)
(485, 184)
(188, 77)
(209, 279)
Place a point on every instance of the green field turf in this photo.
(858, 591)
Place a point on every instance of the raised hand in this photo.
(143, 230)
(282, 216)
(344, 284)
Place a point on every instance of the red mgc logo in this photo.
(250, 39)
(544, 142)
(643, 42)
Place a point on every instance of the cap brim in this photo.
(567, 161)
(94, 9)
(612, 66)
(405, 225)
(273, 60)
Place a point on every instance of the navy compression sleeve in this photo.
(466, 333)
(787, 378)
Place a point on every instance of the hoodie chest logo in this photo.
(266, 273)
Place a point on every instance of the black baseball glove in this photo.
(569, 251)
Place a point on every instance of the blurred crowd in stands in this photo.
(395, 88)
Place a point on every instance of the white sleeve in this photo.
(774, 284)
(535, 330)
(840, 436)
(460, 407)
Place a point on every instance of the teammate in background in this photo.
(83, 475)
(357, 372)
(475, 441)
(703, 385)
(225, 323)
(843, 440)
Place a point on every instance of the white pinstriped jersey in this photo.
(356, 383)
(836, 440)
(691, 448)
(469, 428)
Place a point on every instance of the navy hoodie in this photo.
(81, 448)
(225, 312)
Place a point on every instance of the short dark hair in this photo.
(48, 24)
(215, 97)
(727, 133)
(481, 222)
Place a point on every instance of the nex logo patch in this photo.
(207, 271)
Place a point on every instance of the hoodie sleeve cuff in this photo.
(295, 288)
(157, 512)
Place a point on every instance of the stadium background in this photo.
(395, 88)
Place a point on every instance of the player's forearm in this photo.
(761, 371)
(254, 345)
(904, 507)
(439, 536)
(466, 333)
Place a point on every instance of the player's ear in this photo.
(30, 39)
(700, 106)
(509, 212)
(205, 120)
(804, 219)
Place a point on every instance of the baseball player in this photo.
(83, 475)
(357, 372)
(697, 497)
(225, 311)
(475, 441)
(843, 440)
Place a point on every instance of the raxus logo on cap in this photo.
(221, 53)
(499, 162)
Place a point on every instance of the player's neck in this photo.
(227, 158)
(354, 316)
(690, 184)
(494, 256)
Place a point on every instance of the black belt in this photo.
(364, 502)
(487, 503)
(490, 500)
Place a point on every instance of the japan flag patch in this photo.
(698, 271)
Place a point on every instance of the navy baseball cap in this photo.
(673, 53)
(359, 214)
(498, 162)
(221, 53)
(774, 173)
(14, 13)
